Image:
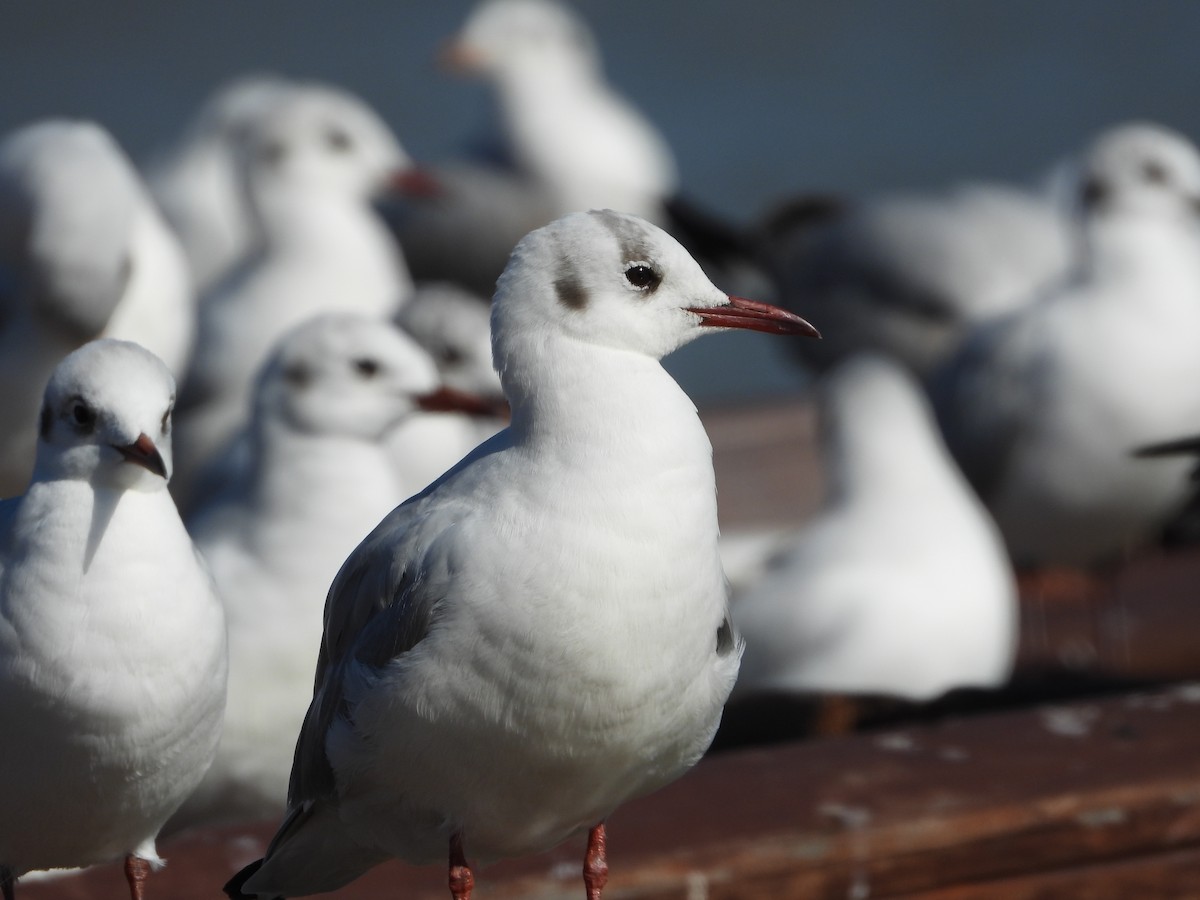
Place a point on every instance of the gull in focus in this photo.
(317, 477)
(112, 640)
(83, 254)
(310, 167)
(1044, 408)
(900, 585)
(543, 633)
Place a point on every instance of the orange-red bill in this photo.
(448, 399)
(753, 316)
(142, 452)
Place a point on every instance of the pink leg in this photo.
(461, 879)
(595, 863)
(136, 870)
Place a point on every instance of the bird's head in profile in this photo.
(106, 418)
(353, 376)
(614, 280)
(1141, 169)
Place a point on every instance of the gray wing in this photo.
(983, 398)
(381, 604)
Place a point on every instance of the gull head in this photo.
(350, 375)
(501, 37)
(69, 198)
(321, 140)
(613, 280)
(106, 418)
(1141, 169)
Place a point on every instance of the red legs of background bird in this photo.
(7, 891)
(461, 879)
(136, 870)
(595, 863)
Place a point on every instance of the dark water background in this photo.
(758, 98)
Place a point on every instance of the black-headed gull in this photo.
(317, 477)
(900, 585)
(83, 253)
(564, 140)
(311, 166)
(1044, 408)
(112, 640)
(542, 634)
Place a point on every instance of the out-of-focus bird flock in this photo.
(1008, 379)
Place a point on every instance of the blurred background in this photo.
(759, 99)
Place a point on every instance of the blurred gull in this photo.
(454, 326)
(112, 642)
(910, 274)
(1044, 408)
(900, 585)
(543, 633)
(83, 253)
(564, 140)
(319, 478)
(196, 181)
(311, 165)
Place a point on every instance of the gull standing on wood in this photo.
(83, 253)
(319, 476)
(900, 585)
(1043, 409)
(112, 641)
(311, 166)
(542, 634)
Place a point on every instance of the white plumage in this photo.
(316, 475)
(1044, 408)
(543, 633)
(112, 641)
(900, 584)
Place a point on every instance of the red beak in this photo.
(753, 316)
(448, 399)
(414, 182)
(142, 452)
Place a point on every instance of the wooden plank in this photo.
(893, 813)
(1159, 876)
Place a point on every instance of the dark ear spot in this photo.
(297, 375)
(1094, 193)
(570, 292)
(45, 423)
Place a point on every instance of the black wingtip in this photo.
(233, 887)
(1188, 446)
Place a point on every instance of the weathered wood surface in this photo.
(1077, 800)
(1098, 798)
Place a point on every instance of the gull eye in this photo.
(450, 356)
(83, 417)
(338, 141)
(366, 368)
(273, 153)
(642, 277)
(166, 421)
(1155, 173)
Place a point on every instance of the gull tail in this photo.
(233, 887)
